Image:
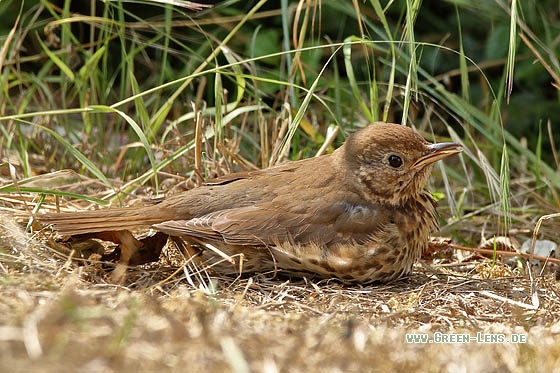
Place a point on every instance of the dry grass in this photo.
(57, 315)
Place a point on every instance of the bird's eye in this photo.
(395, 161)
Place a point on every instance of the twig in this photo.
(507, 300)
(505, 253)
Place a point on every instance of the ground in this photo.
(60, 316)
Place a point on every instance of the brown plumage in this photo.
(359, 214)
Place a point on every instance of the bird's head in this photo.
(389, 163)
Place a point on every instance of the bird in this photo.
(360, 214)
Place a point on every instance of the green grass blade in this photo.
(138, 130)
(61, 65)
(19, 189)
(347, 50)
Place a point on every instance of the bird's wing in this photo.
(269, 224)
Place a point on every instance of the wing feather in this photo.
(267, 224)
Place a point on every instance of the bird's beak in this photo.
(435, 152)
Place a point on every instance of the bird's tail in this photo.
(115, 219)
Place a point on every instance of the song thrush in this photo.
(358, 214)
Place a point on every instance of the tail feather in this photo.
(72, 223)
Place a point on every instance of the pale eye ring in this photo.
(395, 161)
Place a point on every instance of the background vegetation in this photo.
(114, 89)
